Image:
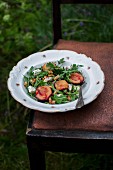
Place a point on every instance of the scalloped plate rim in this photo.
(53, 109)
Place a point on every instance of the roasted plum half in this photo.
(61, 85)
(76, 78)
(43, 93)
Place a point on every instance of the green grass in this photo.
(88, 23)
(26, 27)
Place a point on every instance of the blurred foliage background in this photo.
(25, 28)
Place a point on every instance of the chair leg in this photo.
(36, 156)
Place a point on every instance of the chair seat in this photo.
(96, 116)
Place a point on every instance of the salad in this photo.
(54, 83)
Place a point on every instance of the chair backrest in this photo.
(57, 28)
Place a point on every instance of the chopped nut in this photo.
(50, 86)
(55, 92)
(44, 77)
(25, 83)
(45, 68)
(69, 98)
(51, 101)
(56, 77)
(33, 81)
(50, 75)
(50, 72)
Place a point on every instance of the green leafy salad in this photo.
(54, 83)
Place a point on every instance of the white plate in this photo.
(94, 78)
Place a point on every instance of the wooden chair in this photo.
(86, 130)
